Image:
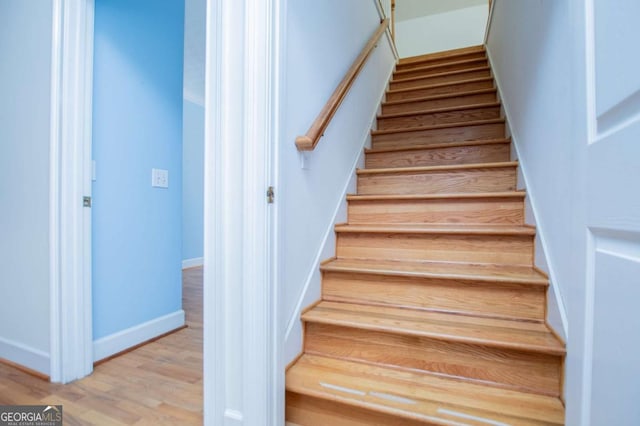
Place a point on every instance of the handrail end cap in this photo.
(304, 143)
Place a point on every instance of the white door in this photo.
(613, 196)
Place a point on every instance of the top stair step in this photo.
(441, 57)
(430, 69)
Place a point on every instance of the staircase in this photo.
(432, 311)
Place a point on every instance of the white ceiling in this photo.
(408, 9)
(194, 50)
(195, 28)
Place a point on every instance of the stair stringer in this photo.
(556, 310)
(311, 291)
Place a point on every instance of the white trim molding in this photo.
(125, 339)
(241, 350)
(489, 22)
(192, 263)
(260, 91)
(26, 356)
(70, 176)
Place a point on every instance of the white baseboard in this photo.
(125, 339)
(192, 263)
(487, 30)
(26, 356)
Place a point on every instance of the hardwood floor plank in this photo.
(159, 383)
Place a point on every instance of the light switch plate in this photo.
(159, 178)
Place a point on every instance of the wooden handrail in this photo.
(309, 141)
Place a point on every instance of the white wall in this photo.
(192, 184)
(442, 31)
(194, 50)
(537, 54)
(321, 46)
(193, 133)
(25, 85)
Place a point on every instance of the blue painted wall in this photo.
(137, 126)
(193, 181)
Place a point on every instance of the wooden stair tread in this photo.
(462, 195)
(416, 147)
(441, 74)
(441, 55)
(519, 335)
(438, 229)
(431, 86)
(438, 126)
(442, 65)
(438, 110)
(413, 395)
(450, 270)
(432, 311)
(440, 96)
(396, 170)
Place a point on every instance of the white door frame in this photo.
(71, 349)
(243, 382)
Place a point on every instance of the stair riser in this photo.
(439, 90)
(452, 101)
(405, 66)
(527, 371)
(459, 116)
(445, 156)
(514, 249)
(494, 211)
(436, 79)
(439, 181)
(449, 134)
(437, 69)
(484, 298)
(305, 410)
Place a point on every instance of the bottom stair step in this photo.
(323, 391)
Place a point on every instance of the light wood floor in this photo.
(159, 383)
